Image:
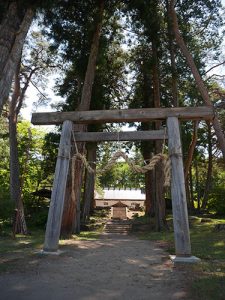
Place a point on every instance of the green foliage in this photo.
(49, 153)
(5, 203)
(120, 175)
(30, 142)
(30, 147)
(6, 207)
(208, 288)
(216, 201)
(206, 243)
(138, 24)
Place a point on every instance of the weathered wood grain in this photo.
(179, 203)
(125, 115)
(58, 192)
(120, 136)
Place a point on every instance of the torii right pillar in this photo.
(178, 193)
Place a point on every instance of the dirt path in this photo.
(110, 268)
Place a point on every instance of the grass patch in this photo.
(16, 252)
(208, 277)
(165, 236)
(207, 243)
(87, 235)
(209, 288)
(21, 243)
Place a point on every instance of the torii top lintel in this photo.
(123, 115)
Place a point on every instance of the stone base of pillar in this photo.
(184, 259)
(44, 252)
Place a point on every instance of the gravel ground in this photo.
(113, 267)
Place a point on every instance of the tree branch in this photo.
(38, 90)
(220, 64)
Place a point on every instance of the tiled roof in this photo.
(128, 194)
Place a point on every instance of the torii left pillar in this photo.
(58, 192)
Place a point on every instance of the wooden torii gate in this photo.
(178, 193)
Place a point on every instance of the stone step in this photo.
(118, 226)
(118, 229)
(117, 233)
(113, 231)
(119, 222)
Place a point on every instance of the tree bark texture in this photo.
(19, 223)
(71, 214)
(89, 185)
(191, 150)
(208, 183)
(174, 85)
(90, 73)
(191, 188)
(71, 211)
(14, 28)
(149, 181)
(197, 189)
(199, 82)
(160, 207)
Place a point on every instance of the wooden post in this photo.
(58, 192)
(89, 181)
(179, 204)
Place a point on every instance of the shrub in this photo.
(217, 200)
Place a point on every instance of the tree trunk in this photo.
(208, 183)
(19, 223)
(160, 207)
(71, 214)
(150, 193)
(191, 149)
(89, 186)
(199, 82)
(149, 182)
(147, 148)
(191, 189)
(197, 189)
(174, 86)
(187, 165)
(13, 32)
(188, 195)
(71, 209)
(90, 73)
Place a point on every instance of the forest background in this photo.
(111, 55)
